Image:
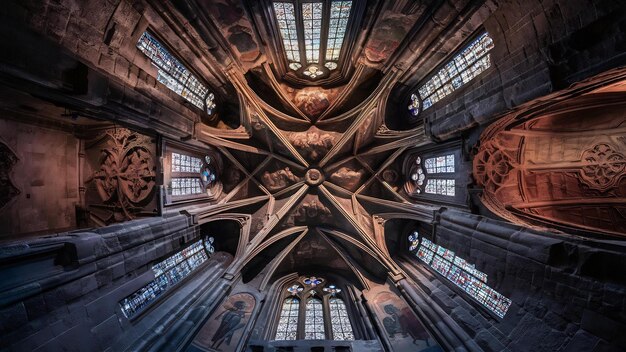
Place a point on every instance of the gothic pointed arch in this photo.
(560, 162)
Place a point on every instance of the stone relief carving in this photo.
(313, 101)
(314, 143)
(492, 166)
(310, 210)
(535, 171)
(279, 179)
(603, 166)
(236, 28)
(124, 173)
(8, 159)
(347, 177)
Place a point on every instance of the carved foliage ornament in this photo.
(127, 176)
(491, 166)
(8, 159)
(603, 166)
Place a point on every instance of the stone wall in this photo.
(46, 176)
(540, 47)
(568, 294)
(67, 287)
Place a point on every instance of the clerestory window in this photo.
(174, 75)
(458, 271)
(434, 175)
(470, 62)
(313, 310)
(312, 34)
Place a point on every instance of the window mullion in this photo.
(300, 30)
(301, 317)
(324, 32)
(327, 323)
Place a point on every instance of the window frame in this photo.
(304, 298)
(139, 313)
(435, 71)
(461, 174)
(170, 147)
(296, 76)
(193, 73)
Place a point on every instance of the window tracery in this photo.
(174, 75)
(191, 175)
(461, 273)
(473, 60)
(314, 322)
(288, 323)
(322, 314)
(168, 273)
(424, 181)
(312, 34)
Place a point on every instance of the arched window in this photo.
(470, 62)
(288, 323)
(174, 75)
(314, 322)
(312, 34)
(339, 320)
(311, 319)
(433, 176)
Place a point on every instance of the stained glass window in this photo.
(168, 273)
(303, 31)
(312, 22)
(440, 164)
(287, 25)
(182, 186)
(464, 275)
(413, 241)
(440, 186)
(339, 14)
(173, 74)
(288, 321)
(186, 163)
(314, 320)
(342, 330)
(461, 69)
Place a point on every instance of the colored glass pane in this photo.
(339, 320)
(167, 273)
(172, 73)
(312, 24)
(314, 320)
(461, 69)
(288, 321)
(439, 186)
(286, 18)
(338, 22)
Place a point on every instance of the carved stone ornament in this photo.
(125, 177)
(559, 166)
(603, 166)
(8, 159)
(279, 179)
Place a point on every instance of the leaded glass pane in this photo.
(461, 69)
(340, 322)
(314, 320)
(186, 163)
(439, 186)
(288, 321)
(312, 21)
(173, 74)
(167, 273)
(464, 275)
(287, 25)
(183, 186)
(440, 164)
(339, 14)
